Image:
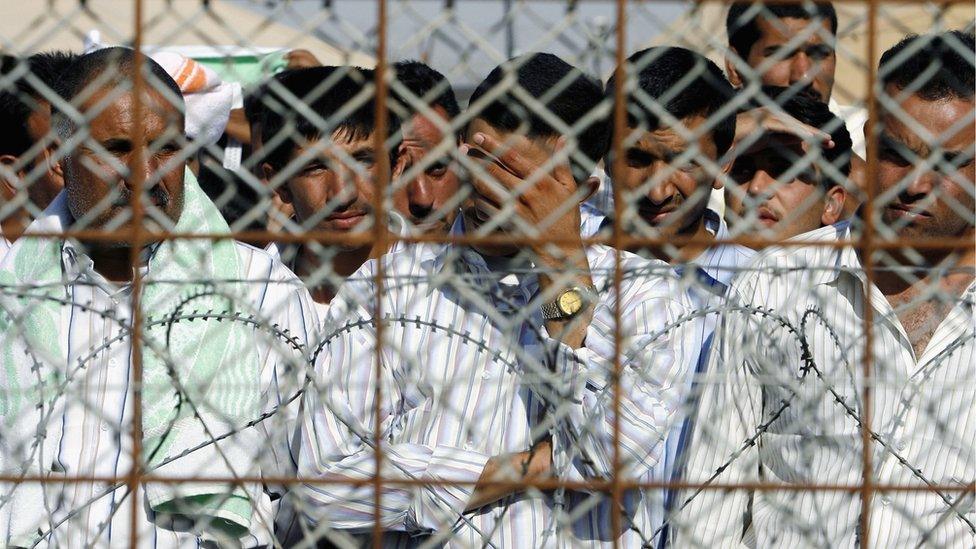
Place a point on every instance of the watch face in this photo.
(570, 302)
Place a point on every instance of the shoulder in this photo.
(790, 270)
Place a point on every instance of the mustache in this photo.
(159, 196)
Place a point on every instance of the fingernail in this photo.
(479, 139)
(464, 149)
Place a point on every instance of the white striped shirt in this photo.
(465, 375)
(89, 430)
(705, 280)
(777, 414)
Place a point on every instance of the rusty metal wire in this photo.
(398, 30)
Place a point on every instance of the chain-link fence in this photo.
(501, 273)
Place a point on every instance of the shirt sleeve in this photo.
(347, 409)
(723, 445)
(654, 358)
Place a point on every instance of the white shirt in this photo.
(466, 374)
(89, 431)
(5, 246)
(770, 415)
(854, 119)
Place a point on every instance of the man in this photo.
(28, 146)
(783, 186)
(218, 363)
(788, 406)
(791, 46)
(429, 146)
(498, 358)
(322, 159)
(671, 164)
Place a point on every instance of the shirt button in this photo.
(901, 445)
(885, 500)
(103, 426)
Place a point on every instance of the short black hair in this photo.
(683, 83)
(933, 66)
(741, 23)
(21, 96)
(342, 97)
(122, 62)
(807, 107)
(567, 93)
(428, 84)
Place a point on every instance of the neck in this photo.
(948, 269)
(115, 263)
(344, 264)
(686, 251)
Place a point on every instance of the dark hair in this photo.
(427, 84)
(947, 72)
(565, 92)
(23, 96)
(342, 97)
(683, 83)
(122, 62)
(741, 23)
(807, 107)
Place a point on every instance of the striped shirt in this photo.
(468, 372)
(89, 430)
(783, 405)
(706, 280)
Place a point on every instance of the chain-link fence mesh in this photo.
(353, 272)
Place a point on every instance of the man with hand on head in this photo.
(793, 46)
(497, 362)
(783, 186)
(785, 406)
(222, 327)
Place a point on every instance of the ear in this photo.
(400, 165)
(834, 205)
(589, 187)
(719, 181)
(283, 192)
(8, 186)
(733, 73)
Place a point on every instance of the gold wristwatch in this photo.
(569, 303)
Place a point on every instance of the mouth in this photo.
(655, 216)
(766, 217)
(345, 220)
(908, 213)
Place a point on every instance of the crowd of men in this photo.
(488, 326)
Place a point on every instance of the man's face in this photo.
(430, 192)
(668, 190)
(100, 173)
(334, 188)
(478, 210)
(49, 182)
(811, 63)
(922, 201)
(770, 197)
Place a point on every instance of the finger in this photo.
(508, 156)
(563, 170)
(486, 178)
(799, 129)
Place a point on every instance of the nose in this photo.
(922, 183)
(662, 190)
(420, 197)
(761, 184)
(141, 167)
(801, 68)
(342, 186)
